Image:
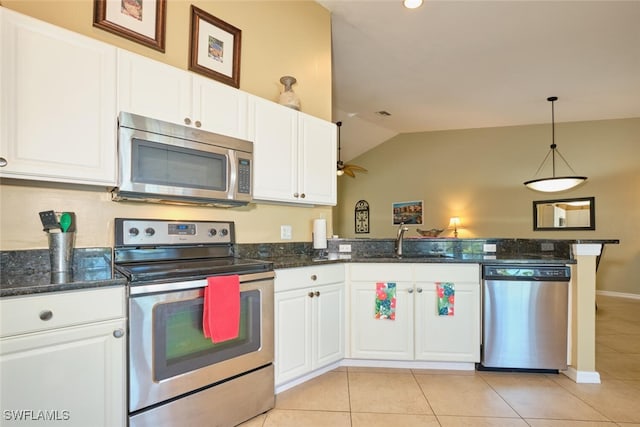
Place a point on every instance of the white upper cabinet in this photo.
(159, 91)
(58, 103)
(153, 89)
(294, 155)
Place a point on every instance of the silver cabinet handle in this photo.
(317, 293)
(3, 162)
(118, 333)
(296, 195)
(310, 294)
(187, 121)
(302, 196)
(419, 290)
(46, 315)
(314, 277)
(410, 290)
(198, 124)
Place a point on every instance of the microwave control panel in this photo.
(244, 176)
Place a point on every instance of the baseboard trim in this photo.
(582, 377)
(303, 379)
(618, 294)
(408, 364)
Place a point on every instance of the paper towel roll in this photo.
(319, 234)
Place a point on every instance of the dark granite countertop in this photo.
(293, 261)
(28, 272)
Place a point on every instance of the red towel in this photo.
(221, 312)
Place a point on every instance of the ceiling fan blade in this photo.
(348, 172)
(356, 168)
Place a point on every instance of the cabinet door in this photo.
(72, 375)
(328, 324)
(274, 131)
(58, 103)
(153, 89)
(317, 157)
(373, 338)
(219, 108)
(292, 334)
(453, 338)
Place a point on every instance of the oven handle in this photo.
(194, 284)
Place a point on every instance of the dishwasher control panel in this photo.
(527, 272)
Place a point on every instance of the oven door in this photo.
(168, 353)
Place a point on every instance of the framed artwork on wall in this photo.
(215, 48)
(142, 21)
(362, 217)
(409, 213)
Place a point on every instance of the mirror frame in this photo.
(592, 214)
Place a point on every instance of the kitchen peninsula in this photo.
(582, 256)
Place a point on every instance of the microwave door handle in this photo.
(232, 174)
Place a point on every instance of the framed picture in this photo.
(142, 21)
(409, 213)
(215, 48)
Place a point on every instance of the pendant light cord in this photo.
(553, 146)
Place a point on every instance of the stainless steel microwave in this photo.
(167, 163)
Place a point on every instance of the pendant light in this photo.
(346, 168)
(554, 183)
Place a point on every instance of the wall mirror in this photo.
(565, 214)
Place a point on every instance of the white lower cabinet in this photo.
(447, 338)
(382, 339)
(72, 373)
(418, 332)
(309, 320)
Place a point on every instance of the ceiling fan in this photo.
(346, 169)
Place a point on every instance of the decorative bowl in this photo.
(434, 232)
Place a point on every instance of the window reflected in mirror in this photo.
(565, 214)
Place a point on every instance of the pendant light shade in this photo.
(554, 183)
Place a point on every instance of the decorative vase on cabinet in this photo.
(288, 97)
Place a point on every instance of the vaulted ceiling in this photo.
(472, 64)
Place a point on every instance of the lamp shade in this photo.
(454, 222)
(560, 183)
(412, 4)
(554, 183)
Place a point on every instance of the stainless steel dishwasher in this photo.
(525, 317)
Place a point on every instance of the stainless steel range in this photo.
(177, 377)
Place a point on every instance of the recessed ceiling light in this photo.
(412, 4)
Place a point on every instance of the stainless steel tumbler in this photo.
(61, 251)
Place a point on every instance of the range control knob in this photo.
(212, 232)
(133, 231)
(149, 231)
(224, 232)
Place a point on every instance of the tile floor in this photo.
(368, 397)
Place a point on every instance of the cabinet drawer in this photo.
(304, 277)
(42, 312)
(469, 273)
(388, 272)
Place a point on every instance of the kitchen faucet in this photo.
(399, 239)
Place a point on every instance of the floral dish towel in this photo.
(386, 301)
(446, 298)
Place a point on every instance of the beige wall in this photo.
(477, 174)
(278, 38)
